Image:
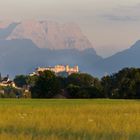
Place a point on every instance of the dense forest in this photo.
(122, 85)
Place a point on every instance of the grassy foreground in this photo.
(69, 119)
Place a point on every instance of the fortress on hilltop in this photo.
(58, 69)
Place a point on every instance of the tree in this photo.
(20, 80)
(73, 90)
(123, 85)
(46, 86)
(81, 79)
(31, 80)
(81, 85)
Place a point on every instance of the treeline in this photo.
(122, 85)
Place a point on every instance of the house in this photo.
(5, 81)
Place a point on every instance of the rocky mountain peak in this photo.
(136, 45)
(52, 35)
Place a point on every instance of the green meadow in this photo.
(69, 119)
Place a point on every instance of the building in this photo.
(58, 70)
(5, 81)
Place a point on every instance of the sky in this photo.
(111, 25)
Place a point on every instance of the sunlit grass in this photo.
(69, 119)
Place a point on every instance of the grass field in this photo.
(69, 119)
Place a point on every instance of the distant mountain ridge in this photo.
(47, 34)
(5, 32)
(23, 56)
(127, 58)
(28, 44)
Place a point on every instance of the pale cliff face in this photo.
(52, 35)
(4, 24)
(30, 30)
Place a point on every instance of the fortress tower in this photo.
(67, 68)
(76, 68)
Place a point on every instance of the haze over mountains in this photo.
(127, 58)
(29, 44)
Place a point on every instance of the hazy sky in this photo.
(111, 25)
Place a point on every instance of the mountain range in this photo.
(29, 44)
(127, 58)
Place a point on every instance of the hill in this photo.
(23, 56)
(127, 58)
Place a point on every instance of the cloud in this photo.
(123, 13)
(113, 17)
(130, 7)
